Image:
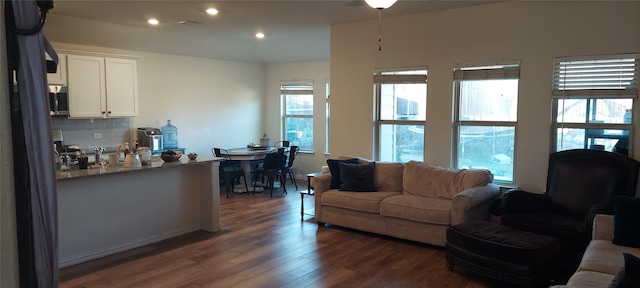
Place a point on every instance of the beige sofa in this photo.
(415, 201)
(602, 260)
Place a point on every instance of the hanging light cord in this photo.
(379, 29)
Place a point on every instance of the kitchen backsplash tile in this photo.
(115, 131)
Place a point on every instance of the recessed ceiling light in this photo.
(153, 21)
(212, 11)
(259, 35)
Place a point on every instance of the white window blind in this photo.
(487, 72)
(297, 89)
(399, 79)
(604, 76)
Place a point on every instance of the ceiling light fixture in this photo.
(212, 11)
(380, 5)
(259, 35)
(153, 21)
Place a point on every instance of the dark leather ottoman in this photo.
(502, 253)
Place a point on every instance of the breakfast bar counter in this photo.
(103, 211)
(156, 163)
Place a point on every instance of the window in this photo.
(298, 114)
(327, 114)
(401, 104)
(593, 102)
(485, 117)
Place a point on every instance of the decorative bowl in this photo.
(170, 158)
(192, 156)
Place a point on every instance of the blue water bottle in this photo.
(169, 136)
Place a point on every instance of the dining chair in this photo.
(272, 169)
(283, 143)
(230, 169)
(288, 168)
(257, 170)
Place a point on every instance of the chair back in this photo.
(219, 152)
(283, 143)
(216, 152)
(578, 179)
(279, 150)
(274, 161)
(293, 151)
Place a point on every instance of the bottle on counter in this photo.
(126, 149)
(169, 136)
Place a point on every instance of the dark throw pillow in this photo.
(626, 220)
(629, 274)
(357, 177)
(334, 168)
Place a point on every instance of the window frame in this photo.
(327, 117)
(377, 94)
(501, 70)
(285, 115)
(593, 92)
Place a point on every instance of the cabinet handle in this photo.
(104, 112)
(109, 112)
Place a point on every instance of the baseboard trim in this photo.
(84, 257)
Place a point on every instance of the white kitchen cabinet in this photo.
(101, 87)
(60, 77)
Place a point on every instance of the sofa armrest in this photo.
(473, 203)
(320, 184)
(602, 227)
(523, 202)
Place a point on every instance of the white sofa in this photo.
(414, 201)
(602, 260)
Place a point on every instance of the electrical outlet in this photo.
(97, 135)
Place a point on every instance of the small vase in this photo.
(265, 142)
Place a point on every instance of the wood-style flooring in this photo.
(264, 243)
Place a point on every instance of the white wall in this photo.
(275, 74)
(532, 32)
(212, 102)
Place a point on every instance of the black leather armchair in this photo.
(580, 184)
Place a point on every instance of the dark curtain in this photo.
(34, 166)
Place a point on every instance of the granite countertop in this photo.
(156, 163)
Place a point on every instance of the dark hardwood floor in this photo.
(263, 243)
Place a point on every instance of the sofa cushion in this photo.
(366, 202)
(626, 229)
(417, 208)
(604, 256)
(357, 177)
(427, 180)
(629, 274)
(588, 279)
(334, 168)
(388, 176)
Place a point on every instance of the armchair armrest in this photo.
(473, 203)
(523, 202)
(603, 227)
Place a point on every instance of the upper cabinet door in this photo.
(122, 87)
(101, 87)
(60, 77)
(87, 92)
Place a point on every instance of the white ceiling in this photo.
(296, 31)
